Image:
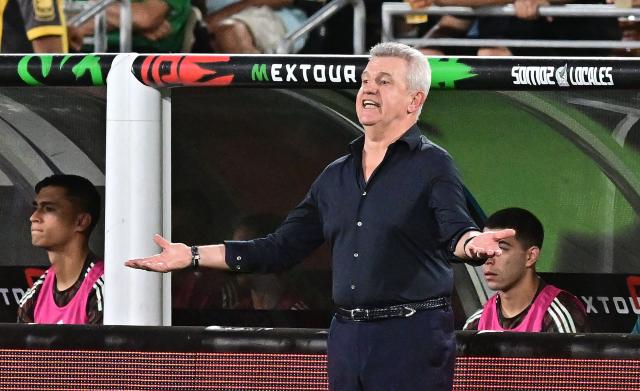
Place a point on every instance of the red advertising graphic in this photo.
(182, 70)
(31, 274)
(633, 283)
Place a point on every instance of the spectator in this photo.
(33, 27)
(524, 302)
(252, 26)
(67, 208)
(159, 26)
(526, 25)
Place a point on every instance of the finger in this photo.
(504, 234)
(160, 241)
(476, 251)
(137, 264)
(131, 264)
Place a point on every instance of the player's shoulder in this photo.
(566, 313)
(473, 320)
(32, 292)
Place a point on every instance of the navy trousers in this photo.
(397, 354)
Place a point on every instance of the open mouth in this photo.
(369, 104)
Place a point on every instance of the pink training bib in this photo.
(532, 322)
(75, 312)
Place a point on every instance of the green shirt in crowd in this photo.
(178, 14)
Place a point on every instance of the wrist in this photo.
(472, 235)
(464, 246)
(195, 257)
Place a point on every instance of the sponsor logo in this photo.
(44, 10)
(611, 305)
(563, 76)
(533, 76)
(11, 296)
(294, 73)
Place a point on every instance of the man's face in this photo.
(506, 270)
(54, 219)
(383, 96)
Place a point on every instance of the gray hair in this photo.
(418, 69)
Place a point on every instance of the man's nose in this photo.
(369, 89)
(35, 216)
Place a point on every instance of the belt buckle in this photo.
(359, 314)
(411, 310)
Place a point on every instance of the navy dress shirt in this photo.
(391, 238)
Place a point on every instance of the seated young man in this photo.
(66, 210)
(524, 302)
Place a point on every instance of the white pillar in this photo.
(166, 199)
(133, 202)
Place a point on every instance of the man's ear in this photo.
(83, 221)
(533, 253)
(417, 100)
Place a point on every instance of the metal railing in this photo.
(324, 13)
(97, 11)
(389, 10)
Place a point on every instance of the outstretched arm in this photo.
(175, 256)
(475, 245)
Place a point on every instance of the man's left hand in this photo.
(487, 244)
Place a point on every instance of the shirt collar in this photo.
(411, 137)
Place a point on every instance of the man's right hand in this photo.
(528, 9)
(416, 4)
(174, 256)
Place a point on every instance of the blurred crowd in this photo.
(258, 26)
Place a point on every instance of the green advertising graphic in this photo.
(38, 70)
(445, 72)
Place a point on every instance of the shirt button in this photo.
(359, 223)
(353, 286)
(364, 193)
(239, 258)
(238, 267)
(355, 255)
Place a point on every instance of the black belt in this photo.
(394, 311)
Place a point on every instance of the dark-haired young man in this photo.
(66, 210)
(524, 302)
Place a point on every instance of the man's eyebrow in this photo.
(42, 203)
(380, 74)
